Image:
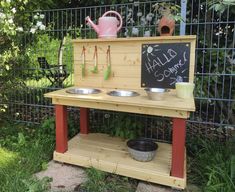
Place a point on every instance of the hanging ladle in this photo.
(108, 70)
(95, 58)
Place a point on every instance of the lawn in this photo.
(45, 83)
(23, 151)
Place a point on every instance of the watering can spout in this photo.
(96, 28)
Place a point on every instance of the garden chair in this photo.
(56, 74)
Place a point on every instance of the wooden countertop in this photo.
(171, 106)
(158, 38)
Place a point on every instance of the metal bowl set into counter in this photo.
(156, 94)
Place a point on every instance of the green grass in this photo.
(210, 165)
(44, 82)
(99, 181)
(23, 151)
(7, 157)
(26, 150)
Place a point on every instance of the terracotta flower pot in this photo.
(166, 26)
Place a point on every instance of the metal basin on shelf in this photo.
(123, 93)
(142, 149)
(83, 91)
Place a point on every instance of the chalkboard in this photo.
(164, 64)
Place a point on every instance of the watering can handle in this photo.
(119, 16)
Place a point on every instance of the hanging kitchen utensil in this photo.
(95, 58)
(108, 60)
(83, 61)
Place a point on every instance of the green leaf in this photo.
(21, 139)
(7, 67)
(107, 73)
(44, 165)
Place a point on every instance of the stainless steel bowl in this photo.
(123, 93)
(142, 149)
(156, 94)
(83, 91)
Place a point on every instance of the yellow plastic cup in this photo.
(184, 90)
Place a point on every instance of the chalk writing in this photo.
(165, 64)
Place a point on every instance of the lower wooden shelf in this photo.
(110, 154)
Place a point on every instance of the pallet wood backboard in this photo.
(125, 60)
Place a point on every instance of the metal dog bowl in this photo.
(142, 149)
(123, 93)
(83, 91)
(156, 94)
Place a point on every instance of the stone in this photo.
(65, 177)
(149, 187)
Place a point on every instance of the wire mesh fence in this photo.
(50, 38)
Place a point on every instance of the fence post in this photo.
(183, 15)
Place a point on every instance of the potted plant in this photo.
(169, 13)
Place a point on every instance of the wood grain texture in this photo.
(171, 106)
(110, 154)
(125, 74)
(133, 39)
(125, 60)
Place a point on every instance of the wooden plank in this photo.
(114, 143)
(178, 147)
(115, 83)
(132, 39)
(103, 157)
(61, 128)
(192, 61)
(122, 108)
(170, 106)
(125, 60)
(102, 48)
(117, 71)
(102, 154)
(119, 147)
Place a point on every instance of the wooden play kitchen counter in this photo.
(127, 60)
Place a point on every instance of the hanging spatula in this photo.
(95, 58)
(108, 70)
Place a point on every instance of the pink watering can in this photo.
(107, 26)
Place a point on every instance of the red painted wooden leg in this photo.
(178, 147)
(61, 128)
(84, 120)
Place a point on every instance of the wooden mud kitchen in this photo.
(132, 64)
